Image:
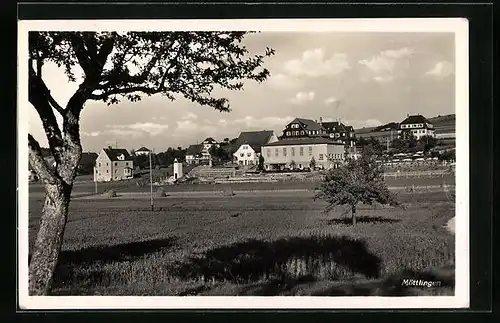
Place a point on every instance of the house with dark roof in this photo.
(383, 133)
(142, 151)
(195, 155)
(303, 128)
(417, 125)
(339, 131)
(249, 145)
(113, 164)
(207, 144)
(314, 152)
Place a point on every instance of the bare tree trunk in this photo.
(353, 213)
(49, 238)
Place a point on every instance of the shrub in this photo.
(160, 192)
(110, 193)
(228, 192)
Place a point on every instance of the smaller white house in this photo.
(249, 145)
(142, 151)
(207, 144)
(113, 165)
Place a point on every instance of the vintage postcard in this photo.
(214, 164)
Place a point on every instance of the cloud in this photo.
(398, 53)
(91, 134)
(302, 97)
(261, 123)
(284, 82)
(313, 63)
(190, 116)
(384, 65)
(189, 126)
(330, 100)
(383, 79)
(356, 123)
(137, 129)
(386, 60)
(441, 69)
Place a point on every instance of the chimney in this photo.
(110, 147)
(320, 120)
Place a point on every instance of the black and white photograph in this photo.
(243, 163)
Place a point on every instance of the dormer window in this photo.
(121, 157)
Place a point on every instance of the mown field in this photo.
(251, 244)
(129, 186)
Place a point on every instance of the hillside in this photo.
(445, 121)
(440, 121)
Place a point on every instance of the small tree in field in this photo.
(109, 67)
(261, 162)
(358, 181)
(312, 163)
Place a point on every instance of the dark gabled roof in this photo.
(254, 139)
(305, 141)
(210, 140)
(308, 124)
(415, 119)
(113, 154)
(143, 149)
(194, 149)
(336, 126)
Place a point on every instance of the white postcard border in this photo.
(458, 26)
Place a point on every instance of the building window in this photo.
(126, 164)
(310, 150)
(302, 132)
(116, 164)
(107, 170)
(276, 152)
(320, 156)
(268, 152)
(293, 151)
(288, 133)
(301, 149)
(249, 154)
(99, 164)
(242, 154)
(284, 151)
(116, 170)
(107, 164)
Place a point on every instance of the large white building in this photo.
(324, 153)
(417, 125)
(249, 145)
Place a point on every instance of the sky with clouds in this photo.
(365, 79)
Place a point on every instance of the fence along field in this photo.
(252, 244)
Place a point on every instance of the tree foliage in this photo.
(261, 162)
(358, 181)
(110, 67)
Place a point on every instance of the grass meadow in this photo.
(251, 244)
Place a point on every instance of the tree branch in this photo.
(39, 97)
(39, 164)
(106, 94)
(81, 53)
